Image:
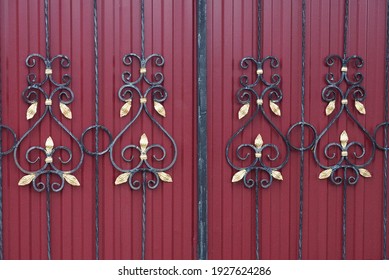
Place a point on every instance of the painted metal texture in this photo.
(171, 208)
(202, 213)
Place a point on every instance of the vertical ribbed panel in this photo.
(171, 209)
(232, 36)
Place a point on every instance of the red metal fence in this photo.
(170, 28)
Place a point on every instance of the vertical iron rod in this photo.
(97, 128)
(257, 220)
(144, 216)
(301, 198)
(1, 171)
(345, 30)
(344, 214)
(47, 31)
(48, 217)
(385, 198)
(142, 14)
(259, 28)
(202, 175)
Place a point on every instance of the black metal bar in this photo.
(48, 218)
(257, 219)
(142, 14)
(259, 28)
(1, 170)
(345, 30)
(144, 209)
(301, 198)
(96, 53)
(47, 30)
(344, 218)
(385, 191)
(202, 163)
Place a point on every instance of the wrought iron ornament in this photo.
(143, 173)
(256, 155)
(49, 92)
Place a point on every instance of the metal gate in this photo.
(215, 129)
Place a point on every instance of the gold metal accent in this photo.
(258, 142)
(325, 174)
(159, 108)
(275, 108)
(48, 71)
(360, 107)
(142, 70)
(143, 156)
(126, 108)
(143, 100)
(143, 142)
(165, 177)
(344, 153)
(72, 180)
(260, 101)
(239, 175)
(31, 111)
(330, 107)
(344, 101)
(243, 110)
(259, 71)
(27, 179)
(344, 69)
(122, 178)
(48, 102)
(258, 155)
(49, 160)
(65, 110)
(49, 145)
(277, 175)
(364, 172)
(344, 139)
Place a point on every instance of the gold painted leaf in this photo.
(122, 178)
(258, 142)
(277, 175)
(27, 179)
(65, 110)
(275, 108)
(360, 107)
(165, 177)
(330, 108)
(238, 176)
(125, 108)
(325, 174)
(159, 108)
(343, 139)
(364, 172)
(49, 145)
(243, 110)
(31, 111)
(143, 142)
(72, 180)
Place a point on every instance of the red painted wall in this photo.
(172, 221)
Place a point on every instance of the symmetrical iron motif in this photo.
(148, 168)
(259, 160)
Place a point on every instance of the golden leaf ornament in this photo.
(258, 142)
(143, 142)
(65, 110)
(31, 111)
(360, 107)
(125, 108)
(277, 175)
(344, 139)
(122, 178)
(72, 180)
(364, 172)
(330, 108)
(49, 145)
(275, 108)
(325, 174)
(165, 177)
(239, 175)
(243, 110)
(159, 108)
(27, 179)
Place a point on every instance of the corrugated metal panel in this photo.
(232, 36)
(171, 213)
